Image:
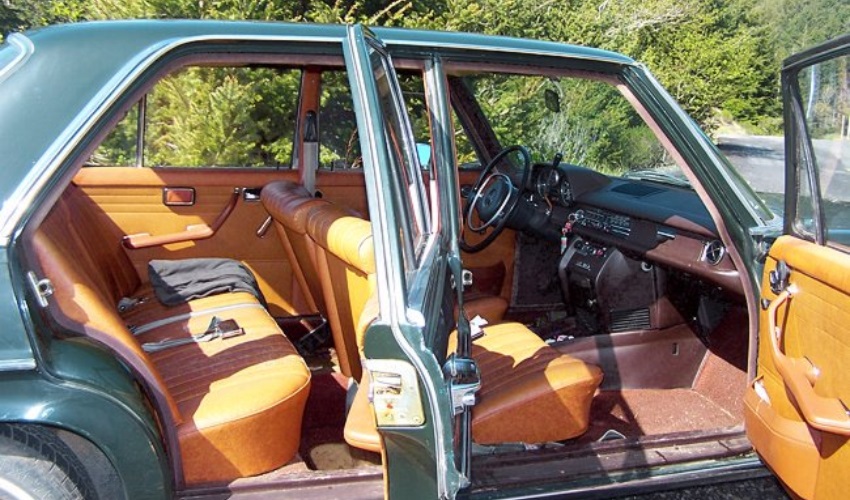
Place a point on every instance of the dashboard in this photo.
(648, 218)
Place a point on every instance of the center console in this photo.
(611, 291)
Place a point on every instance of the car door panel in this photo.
(815, 330)
(796, 409)
(131, 201)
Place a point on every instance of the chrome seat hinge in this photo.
(464, 382)
(43, 288)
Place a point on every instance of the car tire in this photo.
(35, 463)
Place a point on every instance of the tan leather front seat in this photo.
(523, 379)
(289, 204)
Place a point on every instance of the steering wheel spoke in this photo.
(493, 199)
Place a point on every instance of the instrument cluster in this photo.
(552, 184)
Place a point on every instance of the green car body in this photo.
(60, 86)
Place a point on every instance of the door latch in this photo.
(394, 392)
(465, 279)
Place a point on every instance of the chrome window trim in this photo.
(25, 50)
(23, 196)
(435, 47)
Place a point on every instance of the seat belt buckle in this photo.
(225, 329)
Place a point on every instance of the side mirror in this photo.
(552, 100)
(423, 151)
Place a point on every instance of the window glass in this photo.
(825, 98)
(339, 145)
(119, 147)
(404, 165)
(589, 122)
(211, 117)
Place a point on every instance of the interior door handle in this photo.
(192, 233)
(799, 375)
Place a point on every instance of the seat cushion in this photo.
(237, 395)
(522, 380)
(525, 380)
(233, 406)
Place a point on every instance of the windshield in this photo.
(589, 122)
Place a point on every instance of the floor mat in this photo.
(336, 456)
(642, 412)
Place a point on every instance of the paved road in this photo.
(761, 160)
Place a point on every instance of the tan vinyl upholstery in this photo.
(330, 248)
(235, 405)
(523, 379)
(289, 204)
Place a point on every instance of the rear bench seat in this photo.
(235, 404)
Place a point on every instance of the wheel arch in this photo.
(96, 425)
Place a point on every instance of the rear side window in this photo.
(209, 117)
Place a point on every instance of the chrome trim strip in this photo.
(21, 199)
(508, 50)
(25, 50)
(153, 325)
(9, 365)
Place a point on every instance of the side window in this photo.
(209, 117)
(407, 176)
(824, 150)
(339, 145)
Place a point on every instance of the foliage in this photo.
(719, 58)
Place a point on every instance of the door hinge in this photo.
(464, 382)
(465, 278)
(43, 288)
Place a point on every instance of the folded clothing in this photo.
(176, 282)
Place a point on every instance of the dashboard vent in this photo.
(630, 319)
(714, 252)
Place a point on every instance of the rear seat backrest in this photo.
(85, 292)
(346, 265)
(289, 204)
(99, 251)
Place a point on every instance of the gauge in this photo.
(565, 192)
(542, 184)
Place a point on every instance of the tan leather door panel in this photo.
(488, 261)
(795, 410)
(131, 202)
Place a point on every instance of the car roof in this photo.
(44, 102)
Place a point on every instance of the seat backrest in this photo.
(346, 265)
(89, 276)
(79, 225)
(289, 204)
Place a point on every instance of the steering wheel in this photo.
(495, 197)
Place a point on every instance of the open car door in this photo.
(416, 390)
(796, 409)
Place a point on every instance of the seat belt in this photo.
(310, 152)
(218, 329)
